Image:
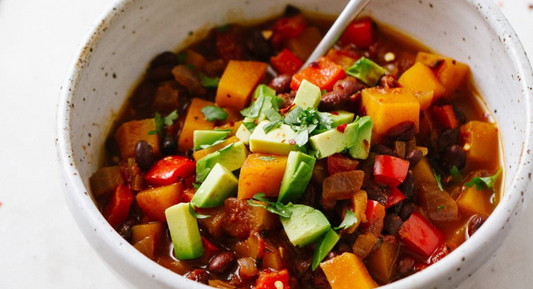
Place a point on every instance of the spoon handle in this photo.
(352, 9)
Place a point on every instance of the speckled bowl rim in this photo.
(104, 236)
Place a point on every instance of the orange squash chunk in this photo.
(142, 231)
(238, 83)
(382, 263)
(155, 201)
(471, 201)
(195, 120)
(450, 72)
(261, 173)
(480, 141)
(389, 107)
(419, 77)
(133, 131)
(347, 271)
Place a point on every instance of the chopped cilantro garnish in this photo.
(484, 182)
(212, 112)
(273, 207)
(181, 57)
(349, 220)
(160, 122)
(205, 146)
(201, 176)
(208, 82)
(195, 185)
(195, 214)
(272, 125)
(438, 178)
(440, 208)
(249, 125)
(253, 110)
(456, 175)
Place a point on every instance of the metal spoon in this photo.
(352, 9)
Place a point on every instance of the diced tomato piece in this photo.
(390, 170)
(395, 197)
(419, 235)
(288, 27)
(267, 279)
(445, 116)
(375, 214)
(169, 169)
(338, 163)
(323, 74)
(286, 62)
(118, 208)
(360, 33)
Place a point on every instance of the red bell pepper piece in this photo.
(118, 208)
(286, 62)
(323, 73)
(209, 248)
(360, 33)
(267, 279)
(390, 170)
(169, 169)
(419, 235)
(445, 116)
(395, 197)
(375, 214)
(289, 27)
(339, 163)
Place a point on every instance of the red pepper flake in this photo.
(334, 112)
(342, 127)
(232, 124)
(292, 142)
(287, 109)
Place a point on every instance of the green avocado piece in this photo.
(340, 117)
(334, 141)
(305, 225)
(323, 246)
(277, 141)
(262, 90)
(361, 148)
(243, 133)
(296, 177)
(308, 95)
(231, 157)
(184, 232)
(208, 137)
(367, 71)
(219, 185)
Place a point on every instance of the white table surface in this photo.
(40, 244)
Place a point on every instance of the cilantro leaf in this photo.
(267, 158)
(205, 146)
(195, 185)
(160, 122)
(484, 182)
(440, 208)
(253, 110)
(438, 178)
(208, 82)
(170, 118)
(195, 214)
(181, 57)
(201, 176)
(272, 125)
(349, 220)
(212, 112)
(249, 125)
(456, 175)
(273, 207)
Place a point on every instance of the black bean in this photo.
(281, 83)
(391, 224)
(198, 275)
(408, 186)
(453, 156)
(414, 157)
(160, 73)
(375, 192)
(144, 155)
(475, 223)
(258, 46)
(125, 229)
(291, 11)
(221, 262)
(403, 131)
(165, 58)
(143, 95)
(447, 138)
(169, 145)
(459, 114)
(381, 149)
(406, 209)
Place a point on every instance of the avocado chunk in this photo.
(231, 157)
(323, 246)
(305, 225)
(296, 177)
(334, 140)
(367, 71)
(308, 95)
(262, 90)
(243, 133)
(361, 148)
(184, 232)
(340, 117)
(205, 138)
(277, 141)
(219, 185)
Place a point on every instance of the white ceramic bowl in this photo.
(129, 34)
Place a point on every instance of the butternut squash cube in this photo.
(195, 120)
(347, 271)
(450, 72)
(480, 141)
(419, 77)
(382, 263)
(142, 231)
(388, 107)
(238, 82)
(133, 131)
(261, 173)
(155, 201)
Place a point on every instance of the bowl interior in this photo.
(133, 32)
